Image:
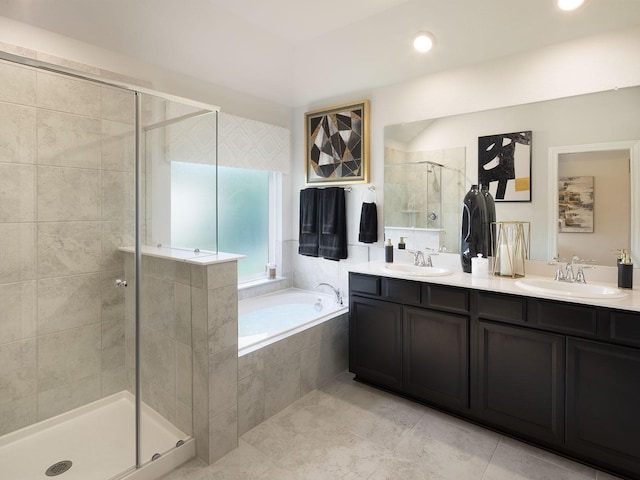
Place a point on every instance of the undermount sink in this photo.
(564, 289)
(415, 270)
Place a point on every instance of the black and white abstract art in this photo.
(504, 164)
(575, 204)
(337, 144)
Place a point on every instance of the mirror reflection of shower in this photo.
(423, 191)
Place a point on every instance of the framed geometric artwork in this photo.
(575, 204)
(504, 163)
(337, 144)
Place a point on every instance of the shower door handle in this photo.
(121, 283)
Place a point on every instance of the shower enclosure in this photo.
(422, 195)
(95, 339)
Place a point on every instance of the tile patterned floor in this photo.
(347, 430)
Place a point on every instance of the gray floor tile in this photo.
(348, 430)
(446, 449)
(564, 462)
(515, 464)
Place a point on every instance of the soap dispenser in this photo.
(625, 270)
(401, 244)
(388, 252)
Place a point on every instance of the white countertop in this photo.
(188, 256)
(500, 284)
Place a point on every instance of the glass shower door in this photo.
(66, 207)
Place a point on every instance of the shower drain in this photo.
(58, 468)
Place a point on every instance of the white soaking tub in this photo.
(269, 318)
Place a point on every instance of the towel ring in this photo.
(370, 189)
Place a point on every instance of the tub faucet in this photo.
(335, 291)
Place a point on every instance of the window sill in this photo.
(259, 282)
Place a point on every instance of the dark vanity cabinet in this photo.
(376, 349)
(436, 357)
(418, 350)
(603, 403)
(520, 376)
(519, 372)
(563, 375)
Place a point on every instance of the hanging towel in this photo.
(308, 210)
(332, 211)
(333, 224)
(309, 237)
(368, 223)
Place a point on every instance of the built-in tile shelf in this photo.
(202, 257)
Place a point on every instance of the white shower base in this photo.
(99, 438)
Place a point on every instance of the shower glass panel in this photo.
(95, 363)
(66, 206)
(180, 175)
(179, 151)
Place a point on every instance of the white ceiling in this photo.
(295, 52)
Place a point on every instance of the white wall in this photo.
(32, 40)
(583, 66)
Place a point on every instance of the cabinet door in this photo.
(603, 402)
(375, 341)
(520, 378)
(436, 357)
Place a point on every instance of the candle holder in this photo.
(512, 248)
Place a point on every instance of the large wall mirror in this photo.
(583, 136)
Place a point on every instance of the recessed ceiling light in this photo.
(424, 41)
(568, 5)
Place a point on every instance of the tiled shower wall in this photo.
(66, 193)
(165, 338)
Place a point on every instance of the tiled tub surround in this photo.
(273, 377)
(66, 183)
(189, 324)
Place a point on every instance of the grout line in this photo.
(486, 468)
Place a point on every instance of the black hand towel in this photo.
(368, 223)
(333, 215)
(308, 210)
(309, 235)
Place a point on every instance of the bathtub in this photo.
(290, 342)
(269, 318)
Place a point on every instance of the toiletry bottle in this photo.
(401, 244)
(388, 252)
(625, 270)
(479, 266)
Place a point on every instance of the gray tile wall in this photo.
(165, 338)
(214, 307)
(66, 179)
(274, 377)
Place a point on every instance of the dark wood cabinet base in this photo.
(562, 376)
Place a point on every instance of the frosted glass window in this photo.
(243, 217)
(193, 205)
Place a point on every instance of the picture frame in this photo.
(504, 163)
(337, 144)
(575, 204)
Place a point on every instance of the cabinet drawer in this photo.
(445, 298)
(504, 308)
(405, 291)
(563, 317)
(624, 327)
(367, 284)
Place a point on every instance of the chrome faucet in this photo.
(336, 291)
(568, 275)
(419, 259)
